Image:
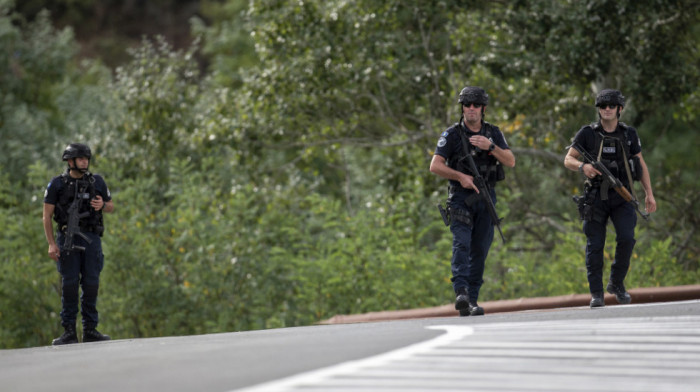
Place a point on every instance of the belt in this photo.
(83, 229)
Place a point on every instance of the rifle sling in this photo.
(605, 185)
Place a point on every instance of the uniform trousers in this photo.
(470, 243)
(80, 269)
(624, 219)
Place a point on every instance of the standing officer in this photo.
(470, 222)
(81, 264)
(617, 146)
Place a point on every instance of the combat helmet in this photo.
(609, 97)
(76, 150)
(473, 95)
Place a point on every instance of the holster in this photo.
(635, 168)
(585, 203)
(445, 213)
(457, 214)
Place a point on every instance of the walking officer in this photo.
(470, 221)
(76, 200)
(616, 146)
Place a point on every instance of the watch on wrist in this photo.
(580, 167)
(492, 147)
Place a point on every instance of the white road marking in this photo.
(453, 333)
(621, 354)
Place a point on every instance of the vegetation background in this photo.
(268, 159)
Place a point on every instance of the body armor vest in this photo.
(489, 167)
(613, 150)
(84, 189)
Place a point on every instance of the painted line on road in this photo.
(633, 354)
(453, 333)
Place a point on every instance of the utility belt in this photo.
(87, 229)
(450, 212)
(604, 187)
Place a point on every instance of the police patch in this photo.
(441, 142)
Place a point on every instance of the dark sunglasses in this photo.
(475, 105)
(608, 106)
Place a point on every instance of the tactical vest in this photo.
(84, 189)
(613, 151)
(489, 167)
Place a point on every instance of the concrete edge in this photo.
(639, 296)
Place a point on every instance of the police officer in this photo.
(470, 223)
(618, 147)
(81, 265)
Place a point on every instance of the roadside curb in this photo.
(639, 296)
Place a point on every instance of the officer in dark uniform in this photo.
(618, 147)
(470, 223)
(81, 265)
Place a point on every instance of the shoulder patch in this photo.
(442, 141)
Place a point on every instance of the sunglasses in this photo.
(475, 105)
(608, 106)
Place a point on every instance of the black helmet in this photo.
(76, 150)
(473, 95)
(609, 97)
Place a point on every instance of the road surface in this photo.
(647, 347)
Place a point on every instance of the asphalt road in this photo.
(648, 347)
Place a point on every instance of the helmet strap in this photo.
(75, 167)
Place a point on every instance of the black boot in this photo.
(462, 302)
(621, 295)
(68, 337)
(93, 335)
(475, 309)
(597, 300)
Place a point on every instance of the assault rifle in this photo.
(612, 180)
(73, 226)
(484, 192)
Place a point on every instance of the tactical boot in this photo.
(93, 335)
(68, 337)
(462, 302)
(621, 295)
(597, 300)
(475, 309)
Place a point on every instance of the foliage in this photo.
(288, 181)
